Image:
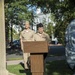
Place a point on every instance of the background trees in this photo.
(63, 12)
(16, 11)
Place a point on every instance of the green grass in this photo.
(17, 69)
(58, 68)
(52, 68)
(9, 59)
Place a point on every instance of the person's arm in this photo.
(47, 38)
(21, 42)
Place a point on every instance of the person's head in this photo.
(40, 28)
(27, 25)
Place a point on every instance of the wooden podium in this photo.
(36, 50)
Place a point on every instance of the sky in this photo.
(34, 9)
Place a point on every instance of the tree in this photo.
(63, 11)
(15, 12)
(50, 29)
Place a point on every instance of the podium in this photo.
(36, 50)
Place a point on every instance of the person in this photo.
(26, 35)
(41, 35)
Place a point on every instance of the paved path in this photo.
(48, 59)
(14, 62)
(53, 50)
(55, 58)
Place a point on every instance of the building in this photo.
(41, 18)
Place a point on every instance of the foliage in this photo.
(15, 34)
(50, 29)
(16, 12)
(63, 10)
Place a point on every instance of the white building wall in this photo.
(40, 18)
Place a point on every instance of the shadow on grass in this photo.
(51, 68)
(58, 68)
(18, 69)
(27, 72)
(24, 71)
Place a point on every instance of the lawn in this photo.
(58, 68)
(17, 69)
(52, 68)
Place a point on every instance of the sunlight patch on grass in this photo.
(17, 69)
(55, 73)
(51, 68)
